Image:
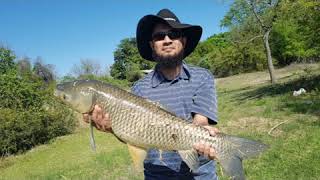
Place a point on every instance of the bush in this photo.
(21, 130)
(124, 84)
(18, 93)
(29, 114)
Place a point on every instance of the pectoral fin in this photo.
(138, 155)
(190, 157)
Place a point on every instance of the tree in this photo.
(206, 53)
(262, 13)
(6, 60)
(295, 36)
(87, 67)
(67, 78)
(128, 62)
(224, 57)
(43, 71)
(268, 10)
(24, 66)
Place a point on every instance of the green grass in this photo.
(248, 106)
(253, 110)
(70, 157)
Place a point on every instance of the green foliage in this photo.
(124, 84)
(224, 58)
(29, 114)
(296, 34)
(295, 27)
(239, 59)
(213, 44)
(6, 60)
(22, 130)
(133, 72)
(128, 62)
(239, 11)
(67, 78)
(17, 93)
(118, 70)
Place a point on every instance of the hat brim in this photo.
(146, 25)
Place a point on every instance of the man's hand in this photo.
(204, 148)
(99, 119)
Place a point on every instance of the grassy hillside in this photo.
(70, 157)
(248, 106)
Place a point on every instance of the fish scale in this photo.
(145, 125)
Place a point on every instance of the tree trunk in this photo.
(269, 57)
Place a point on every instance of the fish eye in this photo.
(64, 97)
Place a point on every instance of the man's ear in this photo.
(151, 45)
(184, 41)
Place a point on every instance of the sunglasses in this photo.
(171, 34)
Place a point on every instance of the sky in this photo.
(62, 32)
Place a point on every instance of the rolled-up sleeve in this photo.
(205, 99)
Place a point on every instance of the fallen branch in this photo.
(274, 127)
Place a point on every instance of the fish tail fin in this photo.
(240, 149)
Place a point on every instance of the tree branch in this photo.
(252, 7)
(274, 127)
(275, 12)
(245, 42)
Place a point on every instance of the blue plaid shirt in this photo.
(192, 92)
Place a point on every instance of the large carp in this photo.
(143, 125)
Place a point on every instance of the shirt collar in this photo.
(158, 78)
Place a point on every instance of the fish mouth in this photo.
(61, 97)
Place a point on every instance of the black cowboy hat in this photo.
(165, 16)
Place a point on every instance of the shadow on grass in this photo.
(306, 103)
(308, 83)
(309, 104)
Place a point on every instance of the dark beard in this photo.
(168, 61)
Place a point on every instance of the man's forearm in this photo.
(201, 120)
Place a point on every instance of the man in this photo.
(185, 90)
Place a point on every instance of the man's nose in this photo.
(167, 39)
